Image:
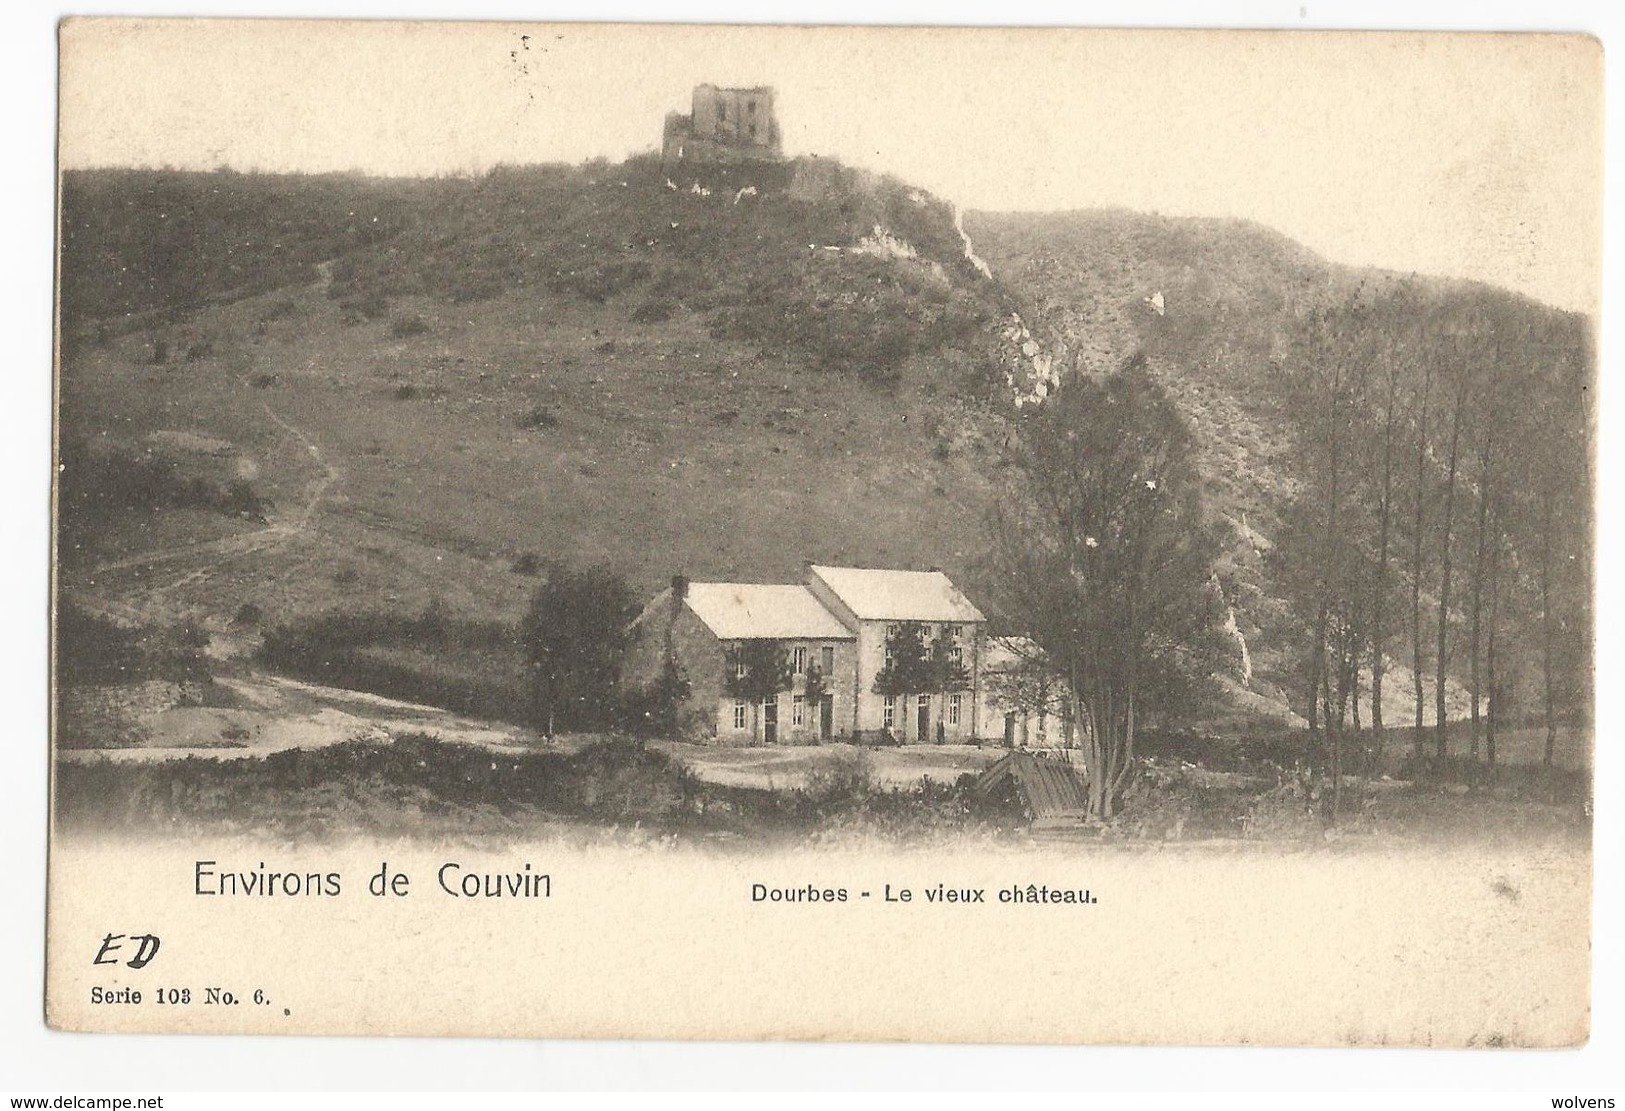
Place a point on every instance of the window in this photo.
(826, 659)
(739, 715)
(798, 710)
(722, 110)
(957, 655)
(752, 130)
(799, 655)
(750, 106)
(924, 701)
(739, 666)
(888, 716)
(953, 709)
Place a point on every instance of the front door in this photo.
(770, 721)
(923, 720)
(826, 717)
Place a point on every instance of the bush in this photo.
(468, 667)
(844, 782)
(405, 392)
(414, 777)
(92, 650)
(367, 306)
(99, 482)
(538, 416)
(405, 326)
(656, 310)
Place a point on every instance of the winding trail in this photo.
(274, 535)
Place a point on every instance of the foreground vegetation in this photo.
(420, 786)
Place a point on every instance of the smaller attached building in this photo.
(1024, 704)
(706, 628)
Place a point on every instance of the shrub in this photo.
(845, 781)
(92, 650)
(405, 392)
(470, 667)
(240, 499)
(405, 326)
(656, 310)
(367, 306)
(538, 416)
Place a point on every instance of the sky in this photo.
(1467, 155)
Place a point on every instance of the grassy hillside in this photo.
(575, 364)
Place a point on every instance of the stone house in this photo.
(834, 636)
(705, 627)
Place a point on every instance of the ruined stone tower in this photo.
(724, 126)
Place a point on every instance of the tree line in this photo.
(1442, 518)
(1438, 527)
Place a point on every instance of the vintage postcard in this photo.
(723, 532)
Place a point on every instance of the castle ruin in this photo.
(726, 126)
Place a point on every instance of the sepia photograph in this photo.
(933, 534)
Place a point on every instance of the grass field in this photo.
(725, 463)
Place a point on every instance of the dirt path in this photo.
(215, 552)
(270, 713)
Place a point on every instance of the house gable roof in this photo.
(762, 611)
(873, 594)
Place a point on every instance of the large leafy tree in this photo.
(1105, 561)
(574, 635)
